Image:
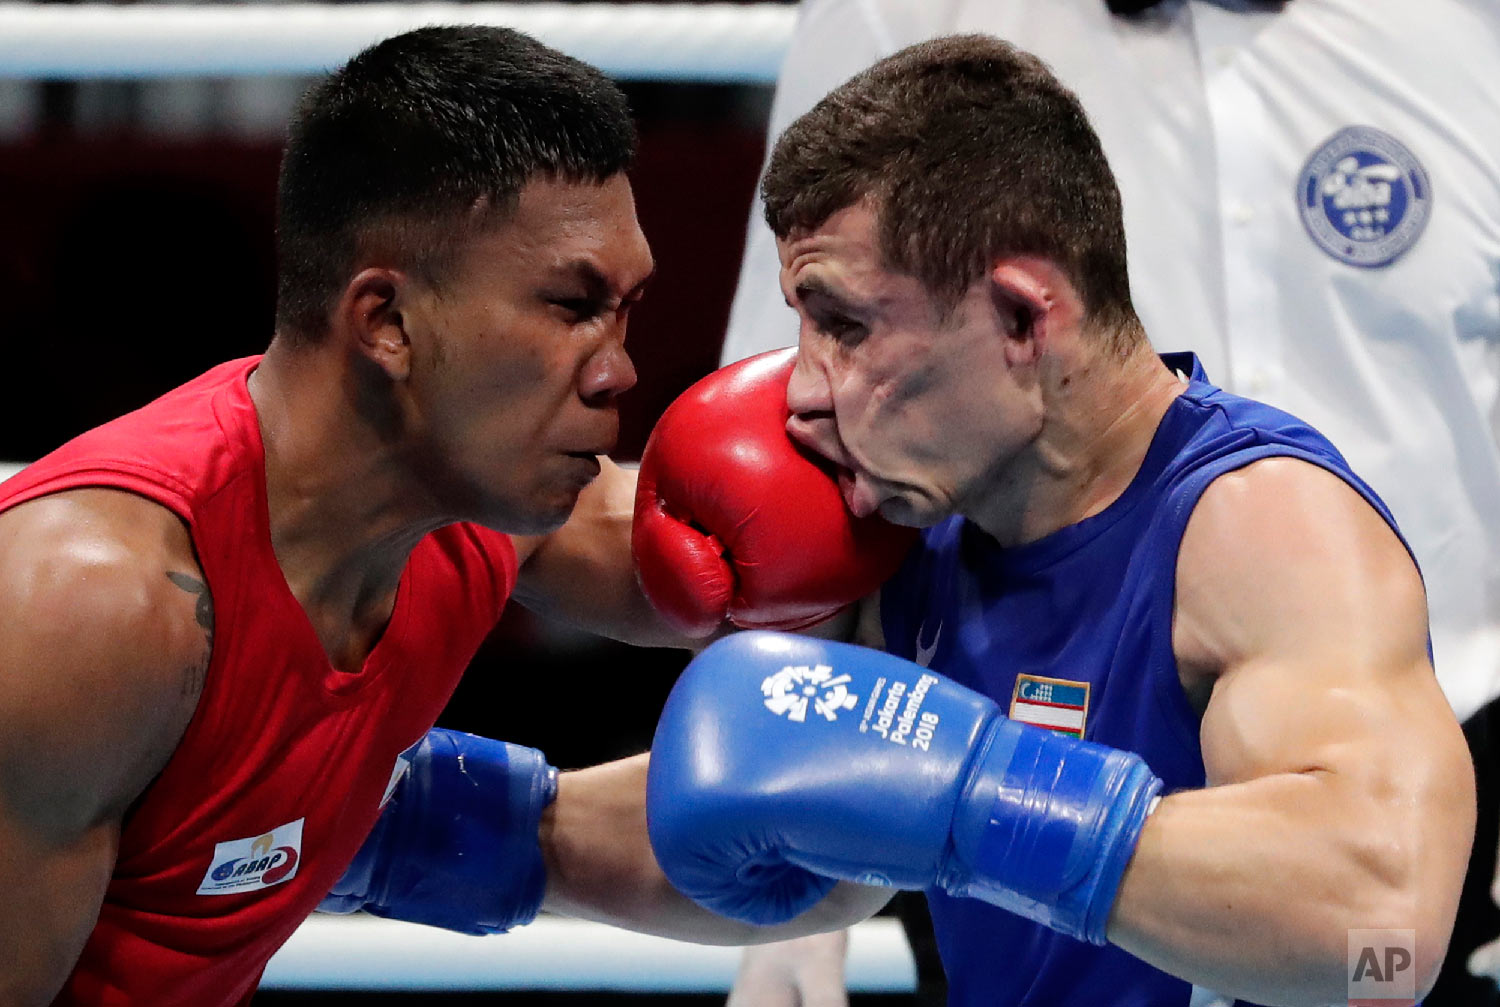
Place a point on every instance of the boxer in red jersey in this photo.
(229, 619)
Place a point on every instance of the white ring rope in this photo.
(364, 953)
(716, 42)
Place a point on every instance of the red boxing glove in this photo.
(733, 519)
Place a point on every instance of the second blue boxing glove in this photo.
(782, 764)
(456, 845)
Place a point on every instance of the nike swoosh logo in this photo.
(926, 654)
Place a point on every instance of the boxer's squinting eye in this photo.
(581, 309)
(845, 330)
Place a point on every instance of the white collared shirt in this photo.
(1210, 114)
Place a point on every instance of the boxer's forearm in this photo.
(600, 867)
(583, 573)
(1251, 889)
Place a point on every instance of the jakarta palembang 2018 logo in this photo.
(1364, 198)
(791, 690)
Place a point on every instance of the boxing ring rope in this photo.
(717, 42)
(364, 953)
(714, 43)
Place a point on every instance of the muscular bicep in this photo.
(1340, 792)
(101, 658)
(1309, 614)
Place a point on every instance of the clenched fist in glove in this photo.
(734, 520)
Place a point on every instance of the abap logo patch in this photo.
(1363, 197)
(242, 865)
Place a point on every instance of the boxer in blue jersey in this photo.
(1158, 720)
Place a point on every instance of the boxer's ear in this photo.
(1018, 292)
(1032, 297)
(370, 311)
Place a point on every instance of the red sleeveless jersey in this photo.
(284, 765)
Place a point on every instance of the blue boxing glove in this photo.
(782, 764)
(456, 844)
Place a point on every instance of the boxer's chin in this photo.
(911, 510)
(899, 512)
(543, 513)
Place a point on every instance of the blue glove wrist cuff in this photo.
(1047, 826)
(456, 846)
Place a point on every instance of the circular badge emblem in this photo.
(1363, 197)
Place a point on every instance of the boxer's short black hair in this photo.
(419, 137)
(968, 149)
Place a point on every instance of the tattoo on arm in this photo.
(192, 683)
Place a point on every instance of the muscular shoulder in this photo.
(104, 640)
(1283, 555)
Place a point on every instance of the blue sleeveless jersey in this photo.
(1074, 632)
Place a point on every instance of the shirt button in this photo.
(1240, 213)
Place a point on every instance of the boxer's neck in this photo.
(345, 507)
(1102, 409)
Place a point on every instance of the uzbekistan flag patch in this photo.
(1054, 703)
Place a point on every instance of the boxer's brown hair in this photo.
(418, 139)
(968, 149)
